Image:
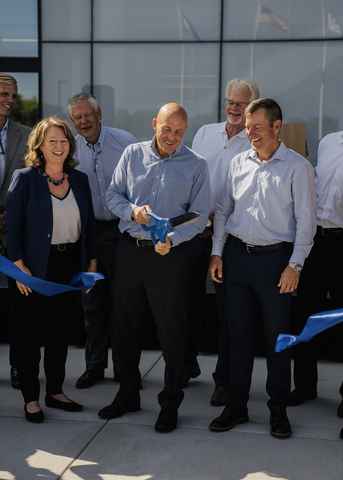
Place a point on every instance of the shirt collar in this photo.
(5, 127)
(222, 129)
(100, 139)
(279, 154)
(173, 154)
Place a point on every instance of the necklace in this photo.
(55, 182)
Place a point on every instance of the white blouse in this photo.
(66, 219)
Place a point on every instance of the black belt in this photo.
(140, 242)
(61, 247)
(259, 248)
(330, 232)
(107, 222)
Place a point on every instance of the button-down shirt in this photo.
(211, 142)
(171, 186)
(111, 144)
(3, 136)
(329, 181)
(268, 202)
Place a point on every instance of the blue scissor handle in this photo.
(161, 228)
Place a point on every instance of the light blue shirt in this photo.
(268, 202)
(111, 143)
(211, 142)
(3, 136)
(170, 186)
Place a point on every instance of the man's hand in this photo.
(2, 222)
(163, 248)
(289, 280)
(140, 216)
(216, 268)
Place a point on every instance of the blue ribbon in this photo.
(80, 281)
(315, 324)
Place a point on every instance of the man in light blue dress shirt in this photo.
(269, 209)
(168, 178)
(98, 150)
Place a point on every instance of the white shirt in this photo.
(329, 181)
(66, 219)
(268, 202)
(211, 142)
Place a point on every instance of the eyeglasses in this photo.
(95, 161)
(230, 103)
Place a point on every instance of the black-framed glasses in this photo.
(95, 161)
(238, 104)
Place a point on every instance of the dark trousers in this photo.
(98, 304)
(199, 250)
(250, 285)
(43, 320)
(322, 274)
(143, 277)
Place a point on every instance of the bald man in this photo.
(165, 177)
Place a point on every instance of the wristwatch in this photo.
(209, 223)
(296, 267)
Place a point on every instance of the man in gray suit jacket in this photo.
(13, 140)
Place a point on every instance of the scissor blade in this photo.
(184, 219)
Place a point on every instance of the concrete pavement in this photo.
(75, 446)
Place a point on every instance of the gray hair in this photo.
(80, 98)
(8, 79)
(244, 83)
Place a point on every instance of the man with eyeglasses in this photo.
(13, 140)
(218, 143)
(98, 150)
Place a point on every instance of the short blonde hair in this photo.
(6, 78)
(34, 157)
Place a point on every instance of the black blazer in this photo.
(29, 219)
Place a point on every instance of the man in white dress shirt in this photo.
(218, 143)
(322, 272)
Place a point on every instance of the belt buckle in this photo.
(61, 247)
(248, 247)
(137, 242)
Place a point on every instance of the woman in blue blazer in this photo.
(51, 234)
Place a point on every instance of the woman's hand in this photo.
(22, 288)
(93, 268)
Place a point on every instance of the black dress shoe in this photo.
(297, 397)
(167, 421)
(14, 378)
(279, 423)
(228, 419)
(341, 434)
(116, 409)
(190, 371)
(88, 378)
(37, 417)
(51, 402)
(220, 396)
